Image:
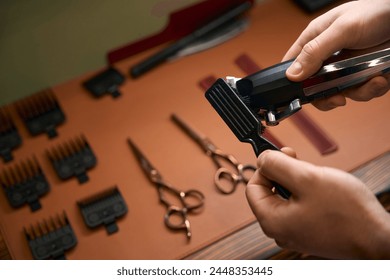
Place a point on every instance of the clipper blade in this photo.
(51, 238)
(241, 121)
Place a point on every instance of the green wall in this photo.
(46, 42)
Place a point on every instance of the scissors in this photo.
(226, 179)
(190, 200)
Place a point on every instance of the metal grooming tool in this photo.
(241, 120)
(72, 159)
(103, 208)
(208, 81)
(24, 183)
(41, 113)
(51, 238)
(9, 135)
(105, 82)
(225, 179)
(190, 200)
(273, 97)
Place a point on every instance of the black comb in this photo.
(103, 208)
(72, 159)
(241, 121)
(41, 113)
(106, 82)
(9, 135)
(24, 183)
(49, 239)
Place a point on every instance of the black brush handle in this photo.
(261, 144)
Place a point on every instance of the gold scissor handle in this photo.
(182, 224)
(246, 171)
(192, 199)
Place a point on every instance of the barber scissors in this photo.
(190, 200)
(230, 171)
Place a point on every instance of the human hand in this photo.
(353, 25)
(330, 213)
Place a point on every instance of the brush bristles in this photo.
(37, 104)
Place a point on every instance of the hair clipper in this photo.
(274, 97)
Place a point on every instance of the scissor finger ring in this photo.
(226, 181)
(183, 224)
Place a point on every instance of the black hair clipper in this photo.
(273, 97)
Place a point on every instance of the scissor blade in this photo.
(200, 139)
(148, 168)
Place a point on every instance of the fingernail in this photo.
(295, 68)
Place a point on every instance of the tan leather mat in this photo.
(143, 113)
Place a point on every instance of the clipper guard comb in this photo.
(41, 113)
(103, 208)
(9, 135)
(24, 183)
(72, 159)
(51, 238)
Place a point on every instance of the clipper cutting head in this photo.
(51, 238)
(73, 159)
(103, 208)
(41, 113)
(24, 183)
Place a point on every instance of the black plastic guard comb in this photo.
(24, 183)
(41, 113)
(241, 120)
(9, 135)
(106, 82)
(51, 238)
(103, 208)
(72, 159)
